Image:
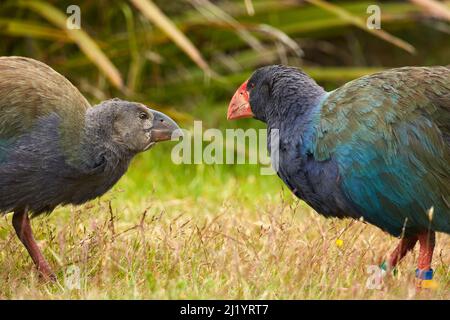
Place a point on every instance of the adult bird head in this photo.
(271, 91)
(134, 125)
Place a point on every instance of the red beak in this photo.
(239, 105)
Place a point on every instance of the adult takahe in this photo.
(377, 148)
(57, 149)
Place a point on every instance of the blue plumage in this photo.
(376, 149)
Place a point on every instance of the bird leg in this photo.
(427, 241)
(424, 272)
(406, 244)
(21, 223)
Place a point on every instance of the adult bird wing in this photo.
(390, 135)
(31, 90)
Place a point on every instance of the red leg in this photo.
(405, 245)
(21, 224)
(424, 273)
(427, 241)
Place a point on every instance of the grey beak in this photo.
(164, 128)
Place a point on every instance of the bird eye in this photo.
(143, 116)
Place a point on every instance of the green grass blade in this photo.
(19, 28)
(155, 15)
(356, 21)
(436, 8)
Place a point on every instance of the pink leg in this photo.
(21, 224)
(427, 241)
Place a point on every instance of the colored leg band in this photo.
(424, 274)
(384, 267)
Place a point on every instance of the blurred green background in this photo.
(186, 58)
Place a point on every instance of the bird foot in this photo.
(48, 277)
(46, 273)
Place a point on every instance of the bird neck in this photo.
(295, 99)
(297, 128)
(296, 106)
(98, 149)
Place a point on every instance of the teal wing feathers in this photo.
(390, 135)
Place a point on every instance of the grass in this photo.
(203, 232)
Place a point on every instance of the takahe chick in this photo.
(57, 149)
(375, 149)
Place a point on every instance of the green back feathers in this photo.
(29, 90)
(390, 134)
(380, 102)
